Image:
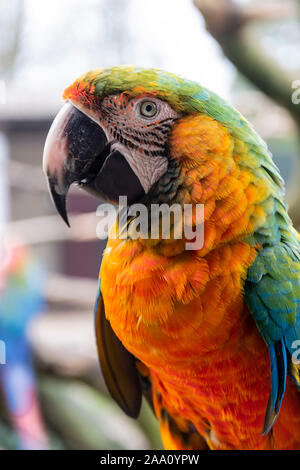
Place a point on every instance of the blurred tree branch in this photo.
(230, 24)
(10, 34)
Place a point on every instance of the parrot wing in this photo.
(117, 364)
(272, 292)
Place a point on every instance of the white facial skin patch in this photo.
(148, 170)
(141, 139)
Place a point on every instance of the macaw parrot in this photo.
(21, 299)
(208, 335)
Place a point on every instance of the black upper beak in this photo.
(77, 150)
(73, 143)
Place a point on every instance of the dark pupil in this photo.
(149, 108)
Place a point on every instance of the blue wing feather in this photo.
(278, 358)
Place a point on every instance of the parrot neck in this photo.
(209, 195)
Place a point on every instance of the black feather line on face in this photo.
(166, 189)
(149, 143)
(121, 122)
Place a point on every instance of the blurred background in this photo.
(52, 394)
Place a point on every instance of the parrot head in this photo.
(112, 135)
(121, 130)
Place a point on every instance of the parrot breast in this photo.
(183, 314)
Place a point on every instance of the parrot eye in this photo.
(148, 109)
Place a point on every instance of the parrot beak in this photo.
(77, 150)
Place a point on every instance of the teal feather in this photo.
(272, 292)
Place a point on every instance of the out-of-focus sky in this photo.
(62, 39)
